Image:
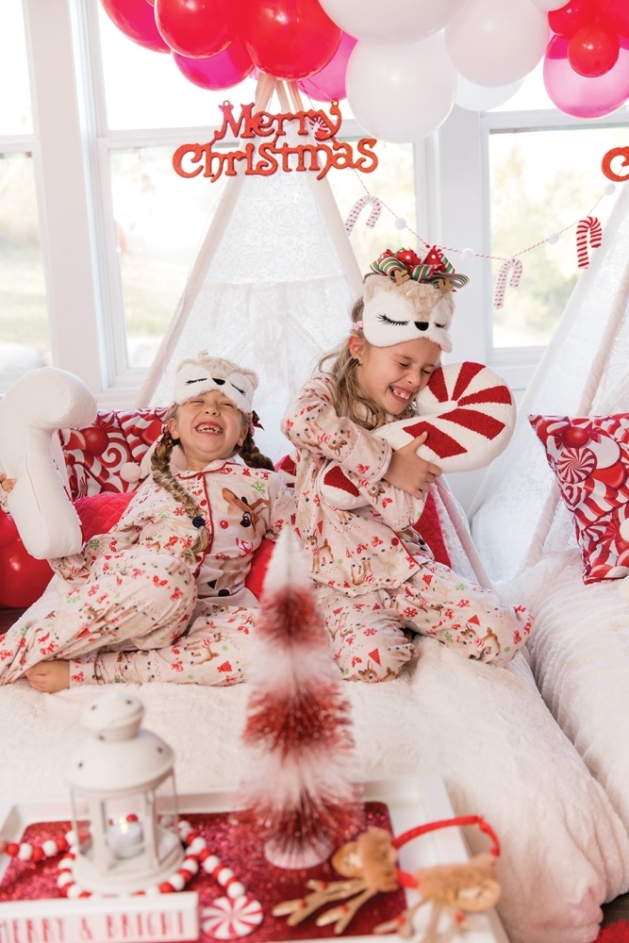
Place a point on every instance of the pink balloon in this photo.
(223, 70)
(329, 82)
(136, 19)
(584, 97)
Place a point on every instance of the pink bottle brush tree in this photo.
(298, 740)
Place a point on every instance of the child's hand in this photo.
(49, 676)
(409, 472)
(7, 484)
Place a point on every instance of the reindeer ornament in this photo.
(368, 867)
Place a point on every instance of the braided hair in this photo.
(162, 475)
(249, 451)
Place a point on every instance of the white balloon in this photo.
(479, 97)
(547, 5)
(494, 42)
(407, 22)
(401, 93)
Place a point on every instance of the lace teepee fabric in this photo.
(274, 295)
(585, 371)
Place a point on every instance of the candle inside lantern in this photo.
(125, 838)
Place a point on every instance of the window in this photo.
(24, 333)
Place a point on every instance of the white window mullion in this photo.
(463, 205)
(62, 194)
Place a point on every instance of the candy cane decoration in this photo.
(358, 206)
(592, 225)
(514, 266)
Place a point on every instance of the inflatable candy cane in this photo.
(514, 266)
(592, 225)
(356, 210)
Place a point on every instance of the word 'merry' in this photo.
(321, 152)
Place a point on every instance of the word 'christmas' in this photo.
(322, 151)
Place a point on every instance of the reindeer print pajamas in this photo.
(375, 579)
(131, 607)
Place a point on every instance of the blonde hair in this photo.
(348, 398)
(163, 476)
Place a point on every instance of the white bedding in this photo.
(486, 730)
(580, 656)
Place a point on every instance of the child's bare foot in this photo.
(50, 676)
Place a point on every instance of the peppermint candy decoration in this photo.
(592, 227)
(514, 266)
(228, 919)
(576, 465)
(359, 205)
(468, 412)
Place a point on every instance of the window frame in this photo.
(468, 185)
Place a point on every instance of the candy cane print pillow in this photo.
(590, 459)
(468, 412)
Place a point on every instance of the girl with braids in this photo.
(162, 596)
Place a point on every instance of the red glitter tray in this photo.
(395, 805)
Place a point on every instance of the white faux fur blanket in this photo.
(485, 729)
(580, 656)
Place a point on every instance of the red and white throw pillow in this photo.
(590, 459)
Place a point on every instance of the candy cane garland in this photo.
(516, 268)
(592, 225)
(358, 206)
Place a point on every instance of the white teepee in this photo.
(585, 371)
(271, 287)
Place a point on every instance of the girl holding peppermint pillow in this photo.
(357, 499)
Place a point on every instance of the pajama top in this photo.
(240, 506)
(372, 546)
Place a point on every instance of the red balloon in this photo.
(615, 14)
(136, 20)
(22, 578)
(593, 50)
(227, 68)
(568, 20)
(290, 39)
(195, 28)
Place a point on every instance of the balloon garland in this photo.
(356, 49)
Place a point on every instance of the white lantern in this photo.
(114, 775)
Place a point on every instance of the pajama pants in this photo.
(135, 618)
(371, 633)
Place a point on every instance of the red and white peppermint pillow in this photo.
(590, 459)
(468, 412)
